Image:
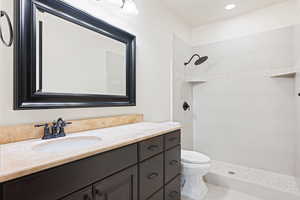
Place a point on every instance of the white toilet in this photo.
(194, 167)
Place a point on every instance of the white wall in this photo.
(154, 28)
(242, 115)
(182, 91)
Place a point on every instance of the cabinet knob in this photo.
(173, 162)
(152, 175)
(173, 194)
(172, 139)
(86, 197)
(98, 193)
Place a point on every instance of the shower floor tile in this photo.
(220, 193)
(263, 178)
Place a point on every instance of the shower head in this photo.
(199, 61)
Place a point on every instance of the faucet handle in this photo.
(47, 133)
(62, 123)
(41, 125)
(68, 123)
(60, 127)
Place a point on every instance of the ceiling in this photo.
(199, 12)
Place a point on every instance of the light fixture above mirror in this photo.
(127, 6)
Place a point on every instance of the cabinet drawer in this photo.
(85, 194)
(70, 177)
(172, 163)
(172, 190)
(122, 185)
(151, 176)
(150, 147)
(172, 139)
(157, 196)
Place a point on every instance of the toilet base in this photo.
(193, 188)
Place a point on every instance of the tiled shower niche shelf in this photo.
(290, 74)
(196, 81)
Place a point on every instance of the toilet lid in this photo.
(194, 157)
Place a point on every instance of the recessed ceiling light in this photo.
(230, 6)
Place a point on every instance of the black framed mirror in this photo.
(66, 58)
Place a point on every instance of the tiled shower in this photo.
(244, 109)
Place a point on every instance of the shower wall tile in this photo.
(241, 114)
(263, 51)
(297, 165)
(182, 91)
(297, 90)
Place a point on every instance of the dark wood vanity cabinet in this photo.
(172, 163)
(122, 185)
(151, 176)
(150, 148)
(172, 189)
(148, 170)
(84, 194)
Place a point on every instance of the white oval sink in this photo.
(67, 144)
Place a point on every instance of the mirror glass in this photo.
(77, 60)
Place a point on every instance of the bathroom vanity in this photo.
(148, 169)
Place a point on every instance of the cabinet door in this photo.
(172, 163)
(151, 176)
(151, 147)
(85, 194)
(157, 196)
(172, 139)
(121, 186)
(172, 190)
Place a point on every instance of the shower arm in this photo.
(192, 59)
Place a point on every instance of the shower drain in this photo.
(231, 172)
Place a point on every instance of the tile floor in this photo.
(220, 193)
(267, 179)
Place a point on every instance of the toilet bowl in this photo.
(194, 167)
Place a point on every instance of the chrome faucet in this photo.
(56, 130)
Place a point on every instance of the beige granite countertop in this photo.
(22, 158)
